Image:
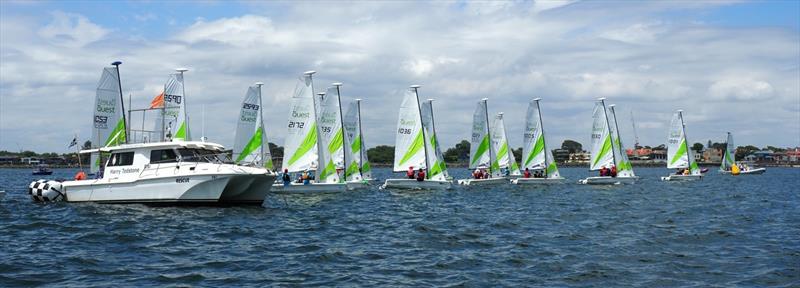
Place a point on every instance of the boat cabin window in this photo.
(199, 155)
(121, 159)
(163, 156)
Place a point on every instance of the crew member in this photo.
(527, 173)
(410, 172)
(421, 175)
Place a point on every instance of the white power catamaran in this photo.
(170, 171)
(416, 146)
(606, 150)
(729, 165)
(250, 146)
(679, 156)
(482, 154)
(358, 173)
(535, 155)
(311, 140)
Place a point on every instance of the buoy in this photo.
(46, 191)
(80, 176)
(734, 169)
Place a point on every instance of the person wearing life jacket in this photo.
(286, 178)
(686, 171)
(410, 172)
(603, 171)
(80, 176)
(614, 171)
(527, 173)
(421, 175)
(306, 178)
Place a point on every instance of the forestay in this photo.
(300, 148)
(108, 126)
(250, 143)
(535, 154)
(409, 145)
(331, 136)
(438, 170)
(602, 148)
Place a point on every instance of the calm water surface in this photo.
(722, 231)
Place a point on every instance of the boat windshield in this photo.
(202, 155)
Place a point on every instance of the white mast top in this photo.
(537, 99)
(415, 86)
(337, 84)
(259, 83)
(310, 72)
(181, 69)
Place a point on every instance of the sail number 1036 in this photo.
(404, 131)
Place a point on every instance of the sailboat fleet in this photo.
(324, 150)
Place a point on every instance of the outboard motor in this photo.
(46, 191)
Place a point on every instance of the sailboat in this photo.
(535, 155)
(679, 156)
(729, 165)
(505, 161)
(250, 146)
(311, 141)
(358, 172)
(482, 154)
(109, 124)
(416, 146)
(606, 151)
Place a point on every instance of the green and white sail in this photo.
(108, 125)
(409, 148)
(331, 136)
(505, 156)
(250, 143)
(728, 155)
(678, 153)
(175, 117)
(535, 155)
(481, 152)
(438, 170)
(624, 167)
(300, 147)
(603, 152)
(358, 167)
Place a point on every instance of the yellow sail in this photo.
(734, 169)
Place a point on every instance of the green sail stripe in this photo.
(181, 134)
(252, 145)
(678, 154)
(352, 169)
(514, 165)
(481, 149)
(308, 143)
(365, 168)
(356, 146)
(327, 171)
(503, 150)
(117, 135)
(537, 148)
(552, 168)
(337, 142)
(693, 167)
(438, 167)
(605, 149)
(413, 149)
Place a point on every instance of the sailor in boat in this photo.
(286, 178)
(613, 171)
(527, 173)
(410, 172)
(306, 178)
(603, 171)
(421, 175)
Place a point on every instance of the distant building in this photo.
(580, 157)
(561, 155)
(31, 160)
(8, 160)
(761, 156)
(790, 156)
(712, 155)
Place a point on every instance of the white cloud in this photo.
(741, 89)
(72, 30)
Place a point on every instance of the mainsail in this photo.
(505, 156)
(109, 127)
(438, 170)
(678, 153)
(300, 148)
(409, 144)
(603, 152)
(624, 167)
(535, 154)
(358, 167)
(175, 118)
(481, 153)
(728, 160)
(331, 136)
(250, 144)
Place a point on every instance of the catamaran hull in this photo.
(537, 181)
(194, 189)
(413, 184)
(607, 180)
(482, 182)
(682, 178)
(311, 188)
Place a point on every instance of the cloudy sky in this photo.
(731, 66)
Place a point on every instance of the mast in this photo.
(685, 140)
(488, 133)
(261, 125)
(608, 126)
(433, 127)
(314, 100)
(635, 137)
(541, 128)
(341, 129)
(122, 101)
(424, 138)
(360, 139)
(616, 128)
(185, 107)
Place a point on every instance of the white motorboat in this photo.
(535, 155)
(607, 149)
(181, 172)
(679, 156)
(416, 146)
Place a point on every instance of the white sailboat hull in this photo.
(481, 182)
(358, 185)
(537, 181)
(413, 184)
(682, 177)
(210, 188)
(608, 180)
(310, 188)
(745, 172)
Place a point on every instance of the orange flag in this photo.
(157, 102)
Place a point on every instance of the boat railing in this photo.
(146, 125)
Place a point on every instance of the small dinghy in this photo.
(537, 160)
(679, 156)
(607, 150)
